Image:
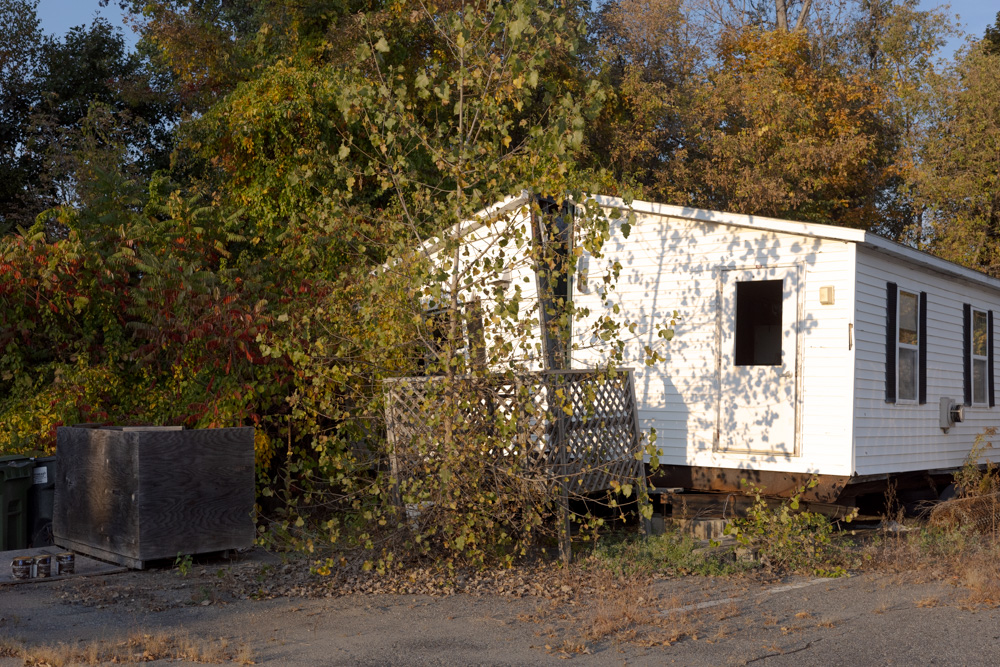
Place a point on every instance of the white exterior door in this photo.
(758, 361)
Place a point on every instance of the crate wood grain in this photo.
(132, 496)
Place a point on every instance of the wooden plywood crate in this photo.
(134, 495)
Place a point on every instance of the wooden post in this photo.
(552, 228)
(562, 456)
(642, 495)
(393, 387)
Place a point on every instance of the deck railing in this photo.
(577, 428)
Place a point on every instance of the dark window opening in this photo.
(433, 336)
(469, 345)
(758, 323)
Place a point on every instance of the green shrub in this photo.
(788, 539)
(671, 553)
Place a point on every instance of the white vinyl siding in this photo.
(671, 263)
(902, 437)
(483, 246)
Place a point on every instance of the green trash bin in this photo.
(15, 480)
(41, 499)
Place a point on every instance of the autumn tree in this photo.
(991, 40)
(770, 132)
(74, 102)
(956, 179)
(412, 153)
(19, 45)
(98, 106)
(716, 105)
(207, 47)
(895, 44)
(274, 275)
(764, 129)
(648, 54)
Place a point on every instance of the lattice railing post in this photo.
(563, 464)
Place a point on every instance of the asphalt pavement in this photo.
(866, 619)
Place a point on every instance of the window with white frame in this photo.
(908, 346)
(979, 357)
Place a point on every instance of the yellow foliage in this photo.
(263, 447)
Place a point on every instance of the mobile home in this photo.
(800, 349)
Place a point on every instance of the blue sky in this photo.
(58, 16)
(974, 16)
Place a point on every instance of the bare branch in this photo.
(803, 15)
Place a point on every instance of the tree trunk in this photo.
(781, 14)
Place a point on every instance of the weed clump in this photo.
(960, 537)
(672, 553)
(977, 503)
(789, 539)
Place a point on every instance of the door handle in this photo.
(787, 374)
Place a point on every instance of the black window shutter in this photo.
(922, 354)
(989, 356)
(890, 342)
(967, 352)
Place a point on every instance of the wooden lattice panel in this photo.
(524, 416)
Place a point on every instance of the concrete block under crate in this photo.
(133, 495)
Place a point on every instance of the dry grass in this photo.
(620, 607)
(980, 574)
(721, 633)
(680, 624)
(959, 543)
(970, 525)
(137, 648)
(623, 609)
(243, 655)
(9, 648)
(724, 611)
(960, 536)
(568, 648)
